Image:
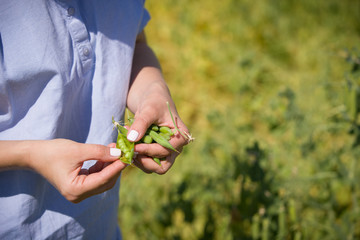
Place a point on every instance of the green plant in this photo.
(276, 150)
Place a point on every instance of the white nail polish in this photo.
(115, 152)
(132, 135)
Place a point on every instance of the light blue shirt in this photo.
(64, 72)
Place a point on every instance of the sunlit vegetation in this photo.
(270, 90)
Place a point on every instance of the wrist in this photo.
(24, 150)
(22, 154)
(155, 92)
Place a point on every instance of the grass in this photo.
(263, 89)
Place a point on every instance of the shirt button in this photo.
(86, 52)
(71, 11)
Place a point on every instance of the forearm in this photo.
(146, 76)
(13, 154)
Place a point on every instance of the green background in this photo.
(269, 89)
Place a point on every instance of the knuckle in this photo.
(98, 150)
(162, 171)
(144, 120)
(145, 150)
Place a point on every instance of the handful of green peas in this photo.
(158, 134)
(154, 133)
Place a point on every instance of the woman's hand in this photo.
(60, 162)
(154, 111)
(147, 97)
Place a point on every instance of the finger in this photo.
(148, 165)
(166, 164)
(152, 149)
(111, 145)
(83, 195)
(98, 166)
(179, 139)
(156, 150)
(100, 152)
(99, 181)
(141, 123)
(139, 162)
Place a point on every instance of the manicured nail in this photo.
(115, 152)
(132, 135)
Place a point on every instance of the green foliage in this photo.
(271, 92)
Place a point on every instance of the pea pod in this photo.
(126, 147)
(161, 140)
(120, 142)
(121, 145)
(126, 155)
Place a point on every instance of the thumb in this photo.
(137, 130)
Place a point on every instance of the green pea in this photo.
(154, 127)
(125, 146)
(128, 155)
(121, 144)
(165, 135)
(166, 130)
(147, 139)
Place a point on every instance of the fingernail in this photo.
(115, 152)
(132, 135)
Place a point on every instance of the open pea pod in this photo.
(154, 133)
(126, 147)
(161, 140)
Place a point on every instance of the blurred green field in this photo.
(270, 90)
